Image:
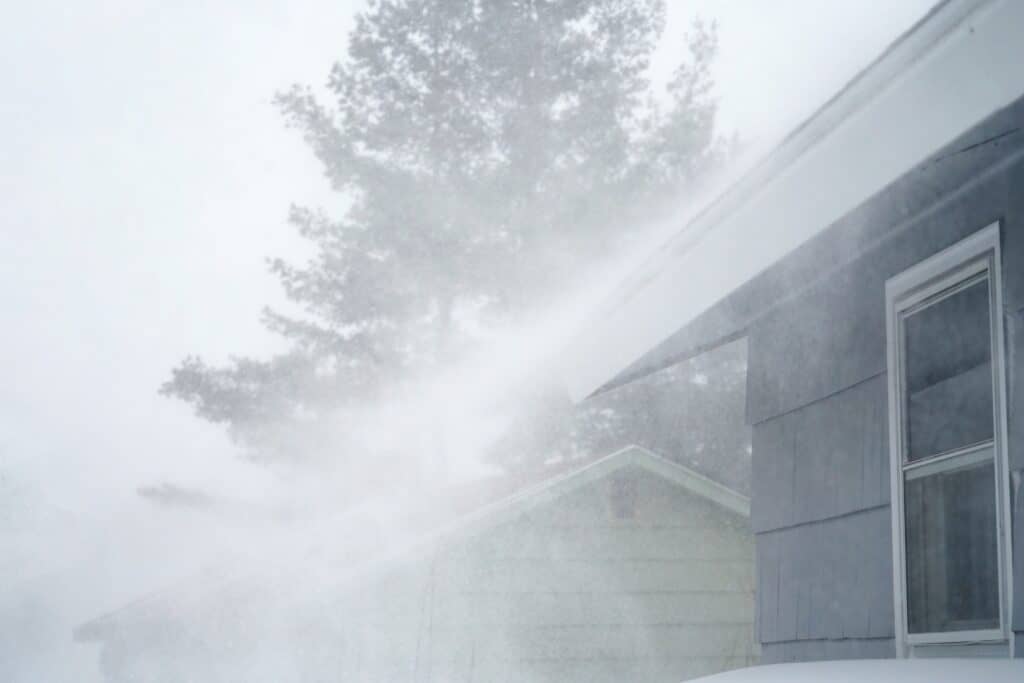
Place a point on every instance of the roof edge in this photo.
(535, 496)
(908, 48)
(953, 68)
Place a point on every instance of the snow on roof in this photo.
(938, 670)
(955, 67)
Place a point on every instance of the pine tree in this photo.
(488, 149)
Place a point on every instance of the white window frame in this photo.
(976, 254)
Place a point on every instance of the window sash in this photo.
(935, 287)
(937, 291)
(991, 635)
(962, 265)
(952, 558)
(949, 285)
(950, 460)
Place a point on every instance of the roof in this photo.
(467, 526)
(955, 67)
(630, 456)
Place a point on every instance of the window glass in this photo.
(949, 373)
(951, 551)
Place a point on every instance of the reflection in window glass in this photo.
(951, 549)
(948, 367)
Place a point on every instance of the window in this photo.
(947, 437)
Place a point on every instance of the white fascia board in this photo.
(557, 487)
(956, 67)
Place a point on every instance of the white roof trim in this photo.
(958, 65)
(630, 456)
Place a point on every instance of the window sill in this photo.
(957, 638)
(997, 649)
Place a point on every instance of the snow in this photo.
(879, 671)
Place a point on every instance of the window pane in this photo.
(949, 373)
(952, 574)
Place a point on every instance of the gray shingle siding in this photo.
(1013, 241)
(1013, 289)
(817, 400)
(807, 650)
(819, 581)
(823, 460)
(832, 335)
(817, 390)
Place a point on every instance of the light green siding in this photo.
(565, 592)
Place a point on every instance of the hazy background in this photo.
(144, 177)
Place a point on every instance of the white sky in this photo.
(145, 176)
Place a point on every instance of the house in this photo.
(874, 263)
(631, 567)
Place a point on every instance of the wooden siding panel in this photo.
(485, 668)
(581, 609)
(806, 496)
(773, 462)
(609, 543)
(790, 556)
(851, 451)
(1013, 303)
(666, 653)
(842, 575)
(832, 335)
(822, 587)
(618, 642)
(877, 573)
(1015, 388)
(824, 460)
(875, 447)
(1017, 514)
(826, 580)
(612, 576)
(801, 351)
(813, 650)
(1015, 414)
(856, 549)
(768, 585)
(1013, 241)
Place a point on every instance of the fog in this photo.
(147, 177)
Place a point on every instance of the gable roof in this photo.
(955, 67)
(506, 510)
(630, 456)
(464, 528)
